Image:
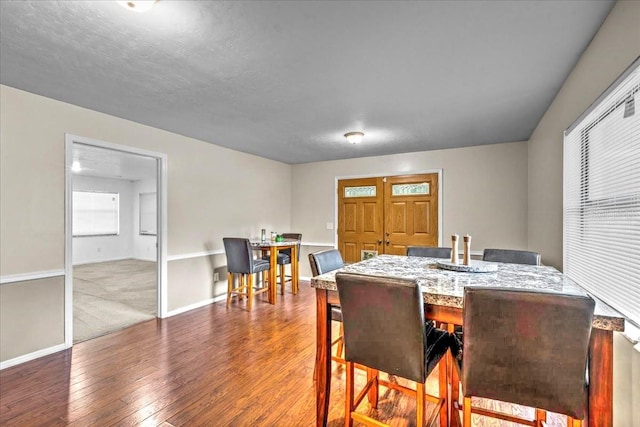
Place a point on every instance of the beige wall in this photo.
(212, 192)
(31, 316)
(484, 192)
(616, 46)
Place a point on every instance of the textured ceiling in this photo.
(285, 80)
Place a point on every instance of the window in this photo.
(148, 214)
(602, 197)
(95, 214)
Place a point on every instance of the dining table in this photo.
(443, 292)
(272, 247)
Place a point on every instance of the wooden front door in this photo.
(387, 214)
(360, 217)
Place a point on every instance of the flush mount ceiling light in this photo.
(137, 6)
(75, 167)
(354, 137)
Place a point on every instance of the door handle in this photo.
(388, 242)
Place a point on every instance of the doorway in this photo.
(385, 214)
(115, 237)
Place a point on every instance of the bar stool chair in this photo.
(323, 262)
(385, 330)
(511, 256)
(429, 252)
(240, 261)
(527, 348)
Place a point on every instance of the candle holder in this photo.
(466, 256)
(454, 249)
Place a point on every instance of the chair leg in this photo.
(466, 412)
(341, 342)
(573, 422)
(229, 288)
(541, 416)
(348, 396)
(250, 291)
(372, 394)
(282, 279)
(420, 404)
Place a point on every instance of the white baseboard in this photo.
(196, 305)
(96, 261)
(146, 259)
(31, 356)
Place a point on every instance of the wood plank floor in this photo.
(210, 366)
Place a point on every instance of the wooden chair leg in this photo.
(573, 423)
(372, 394)
(341, 342)
(250, 291)
(348, 396)
(541, 416)
(229, 288)
(466, 412)
(282, 279)
(420, 404)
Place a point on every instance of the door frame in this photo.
(161, 238)
(375, 175)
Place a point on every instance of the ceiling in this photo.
(285, 80)
(103, 163)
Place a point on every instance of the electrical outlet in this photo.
(216, 277)
(329, 226)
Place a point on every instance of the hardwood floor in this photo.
(210, 366)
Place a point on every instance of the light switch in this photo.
(329, 226)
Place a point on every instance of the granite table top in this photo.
(445, 287)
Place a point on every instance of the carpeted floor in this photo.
(110, 296)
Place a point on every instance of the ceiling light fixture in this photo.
(137, 6)
(75, 166)
(354, 137)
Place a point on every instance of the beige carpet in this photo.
(110, 296)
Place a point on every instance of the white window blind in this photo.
(602, 197)
(148, 214)
(95, 214)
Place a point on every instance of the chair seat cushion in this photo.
(336, 314)
(283, 259)
(260, 265)
(438, 343)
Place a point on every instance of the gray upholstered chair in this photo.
(429, 252)
(240, 262)
(385, 330)
(284, 258)
(511, 256)
(528, 348)
(323, 262)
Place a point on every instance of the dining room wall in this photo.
(612, 50)
(213, 192)
(484, 193)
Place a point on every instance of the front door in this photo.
(386, 214)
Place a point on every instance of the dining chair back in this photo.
(429, 252)
(528, 348)
(325, 261)
(385, 330)
(240, 262)
(511, 256)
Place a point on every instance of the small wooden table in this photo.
(273, 248)
(443, 295)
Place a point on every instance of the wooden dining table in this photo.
(273, 247)
(443, 296)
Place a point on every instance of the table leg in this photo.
(273, 269)
(323, 357)
(294, 269)
(600, 409)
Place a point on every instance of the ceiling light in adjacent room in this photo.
(137, 6)
(75, 167)
(354, 137)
